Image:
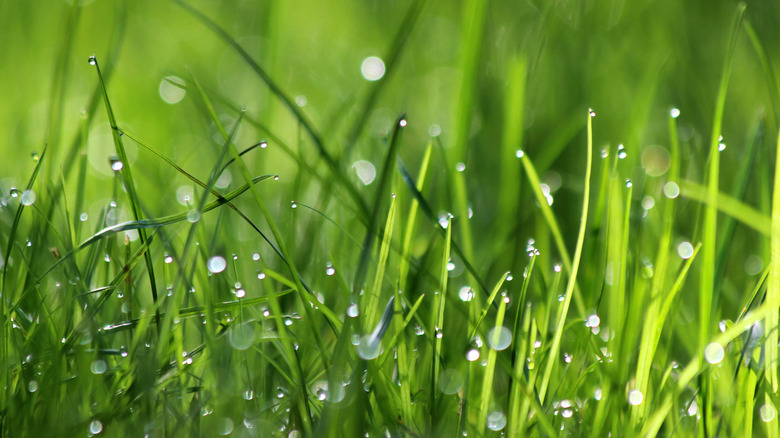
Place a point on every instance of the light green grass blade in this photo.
(552, 356)
(772, 301)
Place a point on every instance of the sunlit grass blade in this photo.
(772, 301)
(552, 356)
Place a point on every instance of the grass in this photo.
(247, 241)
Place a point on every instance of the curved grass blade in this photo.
(553, 355)
(127, 176)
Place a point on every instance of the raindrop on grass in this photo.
(216, 264)
(593, 320)
(260, 275)
(369, 347)
(496, 420)
(592, 113)
(98, 366)
(629, 183)
(671, 190)
(329, 269)
(28, 197)
(713, 353)
(674, 112)
(256, 256)
(193, 215)
(472, 355)
(168, 259)
(352, 310)
(36, 156)
(242, 336)
(95, 427)
(402, 123)
(169, 92)
(92, 60)
(499, 338)
(635, 397)
(372, 68)
(767, 412)
(32, 386)
(685, 250)
(519, 153)
(14, 192)
(249, 394)
(460, 167)
(365, 171)
(293, 204)
(466, 293)
(622, 152)
(83, 217)
(450, 381)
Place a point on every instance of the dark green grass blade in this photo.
(127, 176)
(379, 196)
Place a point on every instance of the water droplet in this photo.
(567, 357)
(260, 275)
(32, 386)
(671, 190)
(14, 192)
(674, 112)
(107, 258)
(193, 215)
(648, 202)
(466, 293)
(605, 152)
(434, 130)
(721, 146)
(635, 397)
(629, 183)
(621, 152)
(472, 355)
(95, 427)
(685, 250)
(496, 420)
(352, 310)
(28, 197)
(294, 204)
(369, 347)
(519, 153)
(36, 156)
(450, 381)
(460, 167)
(592, 113)
(365, 170)
(372, 68)
(499, 338)
(418, 330)
(241, 336)
(92, 60)
(98, 366)
(168, 259)
(713, 353)
(767, 412)
(592, 320)
(83, 217)
(169, 92)
(243, 109)
(216, 264)
(249, 394)
(329, 269)
(240, 293)
(256, 256)
(276, 177)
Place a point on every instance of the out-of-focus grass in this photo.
(246, 225)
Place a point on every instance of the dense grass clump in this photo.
(391, 219)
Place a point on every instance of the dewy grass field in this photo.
(414, 218)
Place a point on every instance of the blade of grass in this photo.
(552, 357)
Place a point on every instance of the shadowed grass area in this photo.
(389, 219)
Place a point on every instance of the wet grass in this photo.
(497, 263)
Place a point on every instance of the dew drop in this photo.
(193, 215)
(629, 183)
(260, 275)
(352, 310)
(83, 217)
(402, 123)
(98, 366)
(168, 259)
(713, 353)
(767, 412)
(276, 177)
(499, 338)
(256, 256)
(14, 192)
(372, 68)
(592, 113)
(32, 386)
(460, 167)
(95, 427)
(674, 112)
(28, 197)
(472, 355)
(466, 293)
(293, 204)
(635, 397)
(369, 347)
(496, 420)
(35, 156)
(519, 153)
(92, 60)
(329, 269)
(685, 250)
(216, 264)
(671, 190)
